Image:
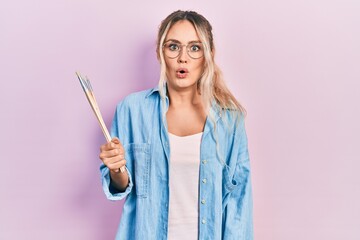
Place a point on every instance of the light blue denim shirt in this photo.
(224, 174)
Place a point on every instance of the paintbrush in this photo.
(88, 90)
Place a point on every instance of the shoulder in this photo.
(138, 96)
(232, 116)
(233, 120)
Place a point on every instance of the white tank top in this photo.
(184, 184)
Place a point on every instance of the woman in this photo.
(187, 166)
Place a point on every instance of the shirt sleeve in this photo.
(116, 131)
(238, 216)
(109, 191)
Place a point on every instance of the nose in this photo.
(182, 58)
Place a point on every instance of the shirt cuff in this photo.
(105, 180)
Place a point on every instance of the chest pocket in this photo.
(138, 155)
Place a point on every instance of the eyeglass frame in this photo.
(182, 46)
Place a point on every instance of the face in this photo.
(183, 71)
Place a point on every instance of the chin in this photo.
(185, 83)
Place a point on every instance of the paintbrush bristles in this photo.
(91, 98)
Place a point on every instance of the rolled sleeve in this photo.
(105, 180)
(239, 210)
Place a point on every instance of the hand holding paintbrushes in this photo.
(114, 150)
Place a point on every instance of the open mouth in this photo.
(182, 72)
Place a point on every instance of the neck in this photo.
(184, 97)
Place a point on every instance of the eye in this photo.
(195, 48)
(173, 47)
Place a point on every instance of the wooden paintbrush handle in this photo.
(103, 127)
(86, 85)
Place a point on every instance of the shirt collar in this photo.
(155, 89)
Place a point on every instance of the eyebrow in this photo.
(177, 41)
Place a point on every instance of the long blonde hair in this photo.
(211, 85)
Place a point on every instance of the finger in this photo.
(112, 159)
(110, 146)
(103, 147)
(113, 145)
(116, 143)
(116, 165)
(115, 153)
(106, 147)
(115, 140)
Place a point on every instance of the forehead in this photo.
(182, 31)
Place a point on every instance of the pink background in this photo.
(293, 64)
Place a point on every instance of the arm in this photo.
(238, 219)
(116, 185)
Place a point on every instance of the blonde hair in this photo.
(211, 85)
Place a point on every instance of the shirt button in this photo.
(203, 201)
(204, 161)
(204, 180)
(203, 221)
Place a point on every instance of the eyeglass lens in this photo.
(194, 50)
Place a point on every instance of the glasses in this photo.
(172, 49)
